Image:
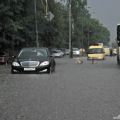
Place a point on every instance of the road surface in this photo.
(74, 92)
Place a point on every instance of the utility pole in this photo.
(36, 24)
(70, 31)
(82, 29)
(88, 35)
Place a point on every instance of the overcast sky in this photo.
(107, 12)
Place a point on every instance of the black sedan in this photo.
(33, 60)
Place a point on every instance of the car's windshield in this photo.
(33, 53)
(95, 50)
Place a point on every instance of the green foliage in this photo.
(17, 24)
(11, 12)
(86, 29)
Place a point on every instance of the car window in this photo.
(95, 50)
(33, 53)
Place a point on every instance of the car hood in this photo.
(32, 59)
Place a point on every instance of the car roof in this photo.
(92, 47)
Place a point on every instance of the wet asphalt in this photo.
(74, 92)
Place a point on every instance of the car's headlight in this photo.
(15, 64)
(44, 63)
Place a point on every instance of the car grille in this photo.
(29, 64)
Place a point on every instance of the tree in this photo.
(17, 24)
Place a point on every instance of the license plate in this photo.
(29, 69)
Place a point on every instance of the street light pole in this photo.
(36, 25)
(88, 37)
(70, 31)
(82, 30)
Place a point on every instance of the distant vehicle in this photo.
(107, 51)
(96, 52)
(114, 51)
(100, 44)
(3, 58)
(82, 51)
(63, 50)
(76, 52)
(118, 43)
(57, 53)
(67, 51)
(33, 60)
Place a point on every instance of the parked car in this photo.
(33, 60)
(3, 58)
(63, 50)
(67, 51)
(57, 53)
(114, 51)
(76, 52)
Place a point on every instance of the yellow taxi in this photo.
(107, 51)
(96, 52)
